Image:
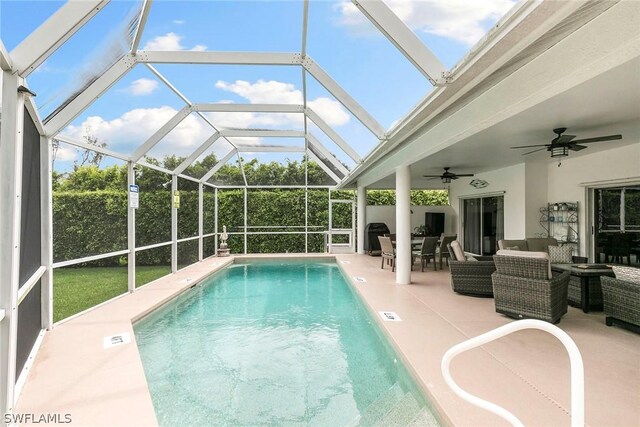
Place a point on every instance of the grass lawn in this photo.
(76, 289)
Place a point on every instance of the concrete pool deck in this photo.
(527, 372)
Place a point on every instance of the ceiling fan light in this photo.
(446, 180)
(562, 151)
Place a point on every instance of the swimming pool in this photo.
(274, 343)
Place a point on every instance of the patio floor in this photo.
(527, 372)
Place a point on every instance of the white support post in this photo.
(362, 210)
(245, 219)
(10, 209)
(174, 225)
(46, 225)
(6, 64)
(131, 231)
(215, 219)
(403, 225)
(200, 219)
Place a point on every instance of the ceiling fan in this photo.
(561, 144)
(447, 176)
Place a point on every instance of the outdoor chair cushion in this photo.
(521, 244)
(628, 274)
(525, 254)
(533, 244)
(457, 251)
(561, 254)
(512, 248)
(541, 244)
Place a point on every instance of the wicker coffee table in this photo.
(587, 279)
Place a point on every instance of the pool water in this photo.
(271, 343)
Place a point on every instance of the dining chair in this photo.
(427, 252)
(442, 250)
(387, 252)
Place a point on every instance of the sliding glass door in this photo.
(482, 224)
(616, 222)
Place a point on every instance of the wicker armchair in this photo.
(522, 288)
(471, 277)
(621, 301)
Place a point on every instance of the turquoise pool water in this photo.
(274, 344)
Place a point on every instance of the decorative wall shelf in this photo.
(560, 221)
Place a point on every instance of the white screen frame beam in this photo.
(403, 39)
(343, 97)
(333, 135)
(52, 33)
(214, 57)
(312, 140)
(201, 149)
(89, 95)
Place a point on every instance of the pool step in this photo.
(424, 419)
(380, 406)
(402, 413)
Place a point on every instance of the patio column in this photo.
(403, 225)
(362, 213)
(11, 134)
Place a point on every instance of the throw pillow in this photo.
(512, 248)
(471, 258)
(627, 274)
(561, 254)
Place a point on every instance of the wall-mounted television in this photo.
(434, 223)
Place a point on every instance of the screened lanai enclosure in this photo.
(125, 151)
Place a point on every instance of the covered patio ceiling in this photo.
(607, 104)
(592, 92)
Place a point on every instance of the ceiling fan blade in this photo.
(464, 174)
(597, 139)
(576, 147)
(534, 151)
(431, 176)
(529, 146)
(564, 138)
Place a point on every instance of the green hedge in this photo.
(95, 222)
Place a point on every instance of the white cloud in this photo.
(275, 92)
(461, 20)
(170, 41)
(179, 21)
(127, 132)
(142, 87)
(66, 153)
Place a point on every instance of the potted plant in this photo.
(419, 231)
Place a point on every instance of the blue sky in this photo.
(339, 39)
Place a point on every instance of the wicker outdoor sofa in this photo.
(621, 299)
(524, 287)
(471, 277)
